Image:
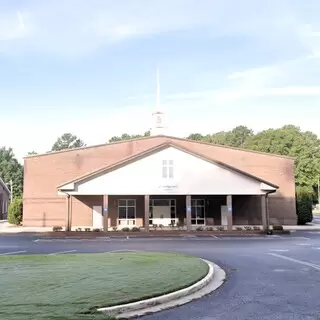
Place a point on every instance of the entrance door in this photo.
(162, 215)
(162, 211)
(224, 215)
(97, 219)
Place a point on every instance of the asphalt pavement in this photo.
(276, 277)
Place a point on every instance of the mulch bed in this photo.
(114, 234)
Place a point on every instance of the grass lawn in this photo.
(72, 287)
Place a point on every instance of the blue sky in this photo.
(89, 67)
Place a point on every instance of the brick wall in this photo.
(43, 173)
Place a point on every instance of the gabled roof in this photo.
(156, 149)
(152, 137)
(4, 186)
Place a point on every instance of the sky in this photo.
(89, 67)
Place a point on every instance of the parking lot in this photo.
(277, 276)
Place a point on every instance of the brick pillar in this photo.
(188, 212)
(229, 217)
(105, 209)
(264, 211)
(146, 212)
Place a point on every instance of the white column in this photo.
(188, 212)
(229, 208)
(264, 211)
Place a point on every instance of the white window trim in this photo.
(199, 206)
(167, 169)
(127, 222)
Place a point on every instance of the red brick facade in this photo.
(43, 173)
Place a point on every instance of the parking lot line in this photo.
(61, 252)
(315, 266)
(14, 252)
(279, 250)
(122, 250)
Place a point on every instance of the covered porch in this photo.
(183, 212)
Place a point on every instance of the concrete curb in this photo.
(213, 280)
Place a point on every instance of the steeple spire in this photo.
(158, 89)
(158, 125)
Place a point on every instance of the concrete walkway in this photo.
(5, 227)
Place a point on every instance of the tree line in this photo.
(288, 140)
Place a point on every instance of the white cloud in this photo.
(12, 27)
(80, 26)
(310, 36)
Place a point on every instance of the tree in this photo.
(67, 141)
(196, 137)
(126, 136)
(15, 211)
(11, 170)
(304, 206)
(238, 136)
(291, 141)
(32, 153)
(234, 138)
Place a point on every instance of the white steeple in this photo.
(158, 127)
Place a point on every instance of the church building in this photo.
(158, 180)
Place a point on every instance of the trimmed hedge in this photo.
(304, 206)
(15, 211)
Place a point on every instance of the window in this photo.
(167, 169)
(126, 212)
(198, 211)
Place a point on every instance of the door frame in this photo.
(195, 200)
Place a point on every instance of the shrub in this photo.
(135, 229)
(209, 228)
(180, 225)
(277, 228)
(248, 228)
(220, 228)
(87, 229)
(161, 226)
(115, 228)
(155, 226)
(57, 228)
(15, 211)
(256, 228)
(304, 206)
(125, 229)
(78, 229)
(96, 230)
(172, 224)
(199, 229)
(238, 228)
